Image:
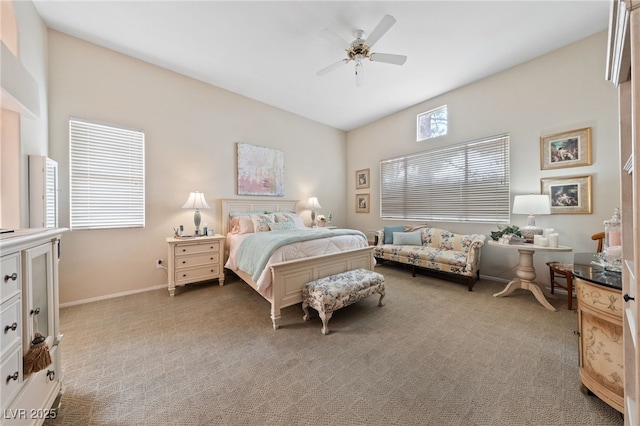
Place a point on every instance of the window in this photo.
(468, 182)
(432, 124)
(107, 176)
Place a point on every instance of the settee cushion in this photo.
(407, 238)
(388, 233)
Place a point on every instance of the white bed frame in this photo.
(288, 278)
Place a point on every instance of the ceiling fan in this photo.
(360, 48)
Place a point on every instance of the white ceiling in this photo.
(270, 51)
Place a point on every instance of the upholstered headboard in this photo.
(237, 205)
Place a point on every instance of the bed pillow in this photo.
(282, 226)
(388, 233)
(261, 222)
(407, 239)
(242, 225)
(284, 217)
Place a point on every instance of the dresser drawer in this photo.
(10, 376)
(197, 260)
(197, 274)
(204, 247)
(10, 276)
(10, 324)
(599, 298)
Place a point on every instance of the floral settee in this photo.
(432, 248)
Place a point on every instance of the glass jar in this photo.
(613, 231)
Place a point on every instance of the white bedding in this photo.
(293, 251)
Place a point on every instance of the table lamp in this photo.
(196, 201)
(313, 204)
(531, 204)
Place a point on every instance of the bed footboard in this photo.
(288, 278)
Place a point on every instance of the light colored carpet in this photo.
(435, 354)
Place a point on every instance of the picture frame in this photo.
(362, 179)
(566, 149)
(362, 203)
(570, 194)
(260, 170)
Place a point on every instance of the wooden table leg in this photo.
(526, 273)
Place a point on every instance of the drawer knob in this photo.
(12, 327)
(626, 298)
(13, 376)
(184, 261)
(35, 311)
(11, 277)
(51, 375)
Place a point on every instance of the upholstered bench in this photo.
(329, 294)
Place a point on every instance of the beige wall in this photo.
(560, 91)
(191, 129)
(26, 37)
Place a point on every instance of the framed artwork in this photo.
(260, 170)
(568, 149)
(362, 179)
(362, 203)
(568, 194)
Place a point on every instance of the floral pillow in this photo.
(283, 226)
(261, 222)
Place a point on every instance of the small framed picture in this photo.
(362, 203)
(568, 194)
(568, 149)
(362, 179)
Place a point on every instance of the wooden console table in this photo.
(525, 272)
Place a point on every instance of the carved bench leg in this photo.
(380, 303)
(305, 317)
(325, 317)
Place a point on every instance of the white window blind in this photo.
(468, 182)
(106, 176)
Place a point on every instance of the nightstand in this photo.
(195, 259)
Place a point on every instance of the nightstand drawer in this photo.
(197, 274)
(197, 260)
(10, 279)
(10, 324)
(204, 247)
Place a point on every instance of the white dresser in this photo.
(29, 300)
(195, 259)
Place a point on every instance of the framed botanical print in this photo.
(568, 149)
(362, 203)
(568, 194)
(362, 179)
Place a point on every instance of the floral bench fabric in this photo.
(329, 294)
(440, 250)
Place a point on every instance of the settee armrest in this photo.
(378, 237)
(473, 255)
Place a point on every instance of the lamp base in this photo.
(528, 232)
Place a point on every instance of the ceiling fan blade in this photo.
(333, 66)
(382, 27)
(334, 38)
(388, 58)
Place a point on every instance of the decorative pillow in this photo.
(282, 226)
(242, 225)
(388, 233)
(407, 239)
(261, 222)
(285, 217)
(299, 222)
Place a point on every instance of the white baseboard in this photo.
(111, 296)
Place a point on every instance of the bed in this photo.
(281, 281)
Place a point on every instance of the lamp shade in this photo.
(531, 204)
(196, 201)
(313, 204)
